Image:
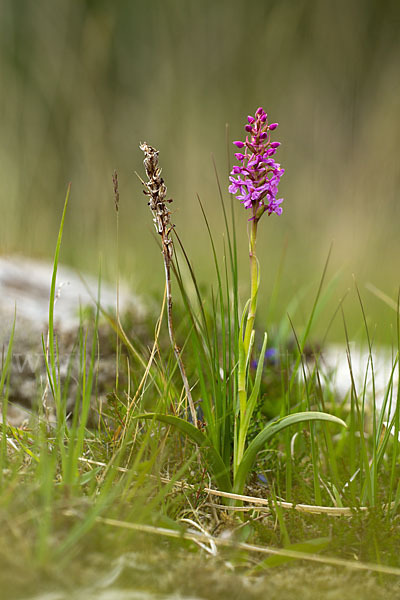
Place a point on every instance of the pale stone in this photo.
(24, 292)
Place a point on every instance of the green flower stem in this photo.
(254, 283)
(244, 354)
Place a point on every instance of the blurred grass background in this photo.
(83, 82)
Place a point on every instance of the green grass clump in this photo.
(76, 498)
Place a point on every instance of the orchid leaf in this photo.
(213, 458)
(267, 433)
(252, 401)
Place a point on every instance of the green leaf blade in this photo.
(267, 433)
(216, 464)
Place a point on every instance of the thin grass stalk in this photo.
(200, 325)
(224, 400)
(227, 350)
(231, 237)
(67, 380)
(140, 386)
(5, 374)
(203, 348)
(214, 392)
(235, 287)
(221, 400)
(311, 318)
(112, 489)
(384, 429)
(286, 410)
(229, 346)
(87, 388)
(52, 359)
(276, 285)
(397, 410)
(366, 485)
(69, 476)
(118, 342)
(231, 366)
(330, 455)
(314, 449)
(375, 439)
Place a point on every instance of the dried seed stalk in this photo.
(156, 190)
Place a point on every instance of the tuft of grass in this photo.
(72, 493)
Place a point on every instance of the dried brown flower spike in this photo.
(156, 190)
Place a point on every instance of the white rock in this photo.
(336, 366)
(25, 284)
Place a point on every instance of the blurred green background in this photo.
(83, 82)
